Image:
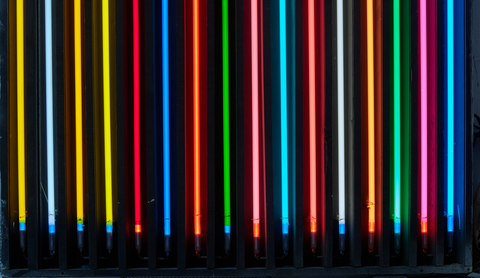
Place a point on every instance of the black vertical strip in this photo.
(386, 229)
(42, 136)
(334, 123)
(4, 218)
(269, 190)
(93, 222)
(467, 207)
(31, 134)
(150, 136)
(240, 147)
(353, 238)
(119, 132)
(273, 127)
(440, 209)
(63, 247)
(414, 73)
(328, 244)
(211, 129)
(180, 126)
(298, 191)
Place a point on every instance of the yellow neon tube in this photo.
(21, 119)
(107, 122)
(78, 110)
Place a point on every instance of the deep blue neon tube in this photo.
(283, 116)
(166, 120)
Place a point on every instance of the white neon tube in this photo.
(49, 124)
(341, 128)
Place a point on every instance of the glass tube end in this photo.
(167, 245)
(396, 242)
(80, 236)
(109, 239)
(23, 235)
(227, 239)
(198, 244)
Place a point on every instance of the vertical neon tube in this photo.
(312, 125)
(423, 125)
(371, 128)
(196, 127)
(166, 128)
(255, 130)
(341, 128)
(49, 124)
(283, 123)
(396, 121)
(226, 126)
(450, 126)
(107, 124)
(136, 126)
(22, 215)
(78, 120)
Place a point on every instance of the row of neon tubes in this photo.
(424, 93)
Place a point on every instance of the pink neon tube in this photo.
(312, 123)
(423, 123)
(255, 130)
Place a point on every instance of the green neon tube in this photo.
(226, 125)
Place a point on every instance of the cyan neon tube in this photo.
(166, 128)
(450, 122)
(283, 123)
(396, 121)
(49, 125)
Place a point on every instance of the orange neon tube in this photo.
(371, 128)
(196, 127)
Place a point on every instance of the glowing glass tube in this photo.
(312, 124)
(49, 124)
(423, 124)
(450, 122)
(371, 128)
(341, 127)
(284, 123)
(255, 129)
(22, 215)
(136, 126)
(107, 124)
(166, 128)
(196, 127)
(226, 125)
(396, 122)
(78, 120)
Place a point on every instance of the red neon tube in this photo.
(255, 129)
(196, 127)
(312, 124)
(136, 125)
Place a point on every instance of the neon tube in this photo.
(284, 123)
(196, 127)
(166, 128)
(396, 122)
(423, 125)
(107, 124)
(312, 125)
(21, 123)
(450, 125)
(341, 127)
(78, 121)
(255, 130)
(49, 124)
(226, 126)
(136, 126)
(371, 128)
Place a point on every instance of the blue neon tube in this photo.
(49, 125)
(283, 120)
(166, 125)
(450, 123)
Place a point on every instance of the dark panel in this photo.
(31, 134)
(298, 218)
(240, 147)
